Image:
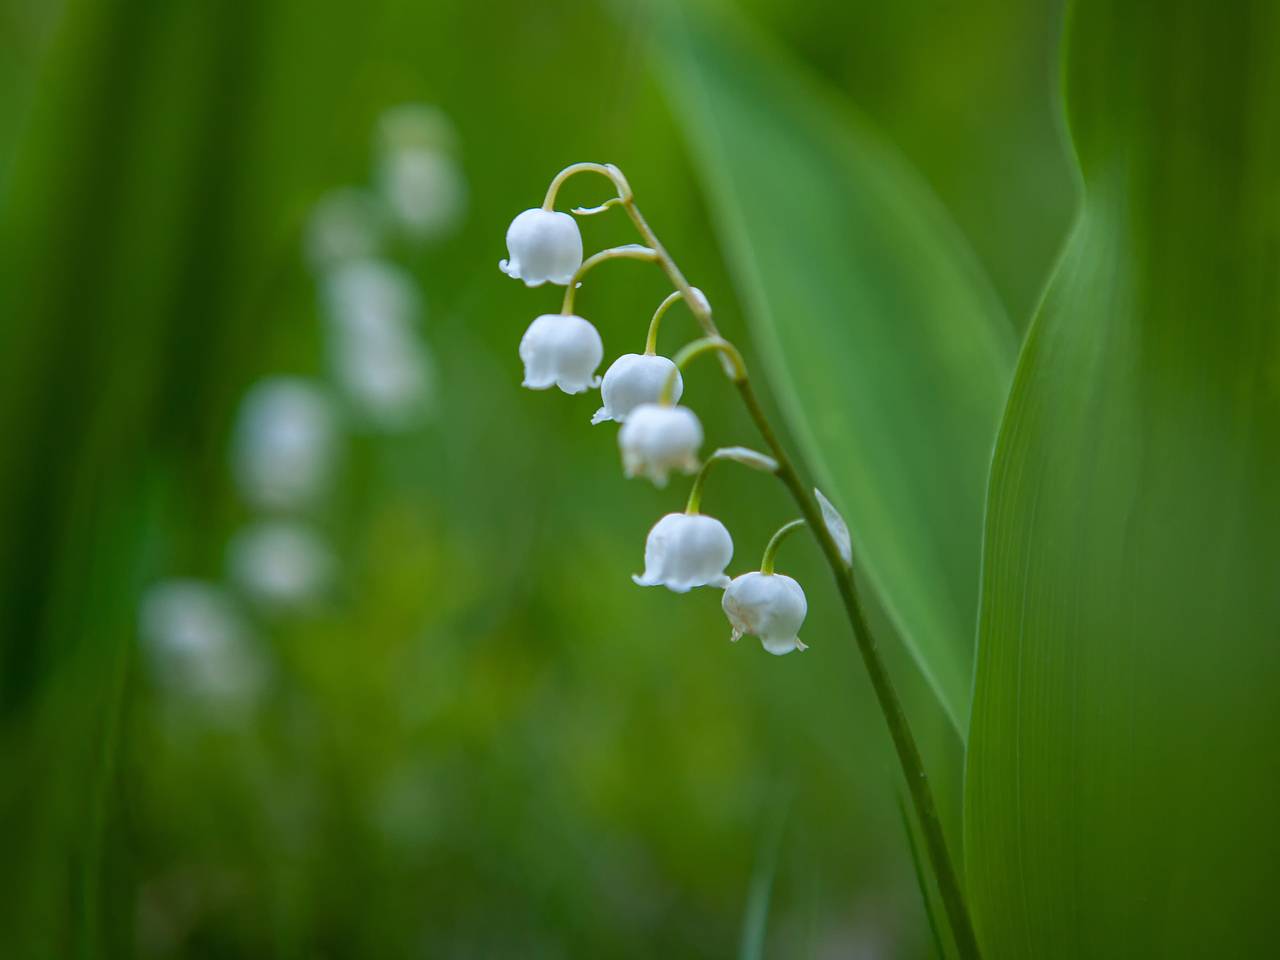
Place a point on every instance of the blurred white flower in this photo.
(657, 438)
(770, 606)
(282, 565)
(424, 189)
(684, 551)
(378, 359)
(346, 224)
(359, 290)
(285, 444)
(562, 351)
(543, 246)
(634, 379)
(197, 643)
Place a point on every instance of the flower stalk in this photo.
(630, 251)
(771, 551)
(657, 439)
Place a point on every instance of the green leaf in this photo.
(1123, 770)
(885, 344)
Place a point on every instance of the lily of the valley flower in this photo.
(684, 551)
(634, 379)
(543, 246)
(657, 438)
(770, 606)
(562, 351)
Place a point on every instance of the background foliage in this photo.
(488, 742)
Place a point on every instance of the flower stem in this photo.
(904, 742)
(651, 341)
(742, 455)
(628, 251)
(890, 705)
(734, 365)
(771, 549)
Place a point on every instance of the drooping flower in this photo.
(285, 444)
(632, 380)
(199, 645)
(377, 357)
(657, 438)
(563, 351)
(417, 172)
(543, 246)
(686, 550)
(770, 606)
(282, 565)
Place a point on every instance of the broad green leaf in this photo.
(886, 346)
(1123, 767)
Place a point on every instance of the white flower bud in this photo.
(770, 606)
(561, 351)
(544, 246)
(634, 379)
(656, 439)
(684, 551)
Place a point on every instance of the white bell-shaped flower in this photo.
(770, 606)
(562, 351)
(543, 246)
(686, 550)
(634, 379)
(286, 443)
(657, 438)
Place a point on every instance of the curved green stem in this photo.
(735, 366)
(604, 169)
(904, 742)
(628, 251)
(742, 455)
(771, 550)
(651, 341)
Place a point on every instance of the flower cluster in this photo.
(291, 431)
(640, 391)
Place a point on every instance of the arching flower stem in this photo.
(735, 366)
(742, 455)
(904, 742)
(701, 309)
(630, 251)
(651, 340)
(771, 550)
(604, 169)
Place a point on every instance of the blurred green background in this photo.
(484, 740)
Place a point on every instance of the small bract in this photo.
(544, 246)
(686, 550)
(770, 606)
(657, 438)
(634, 379)
(563, 351)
